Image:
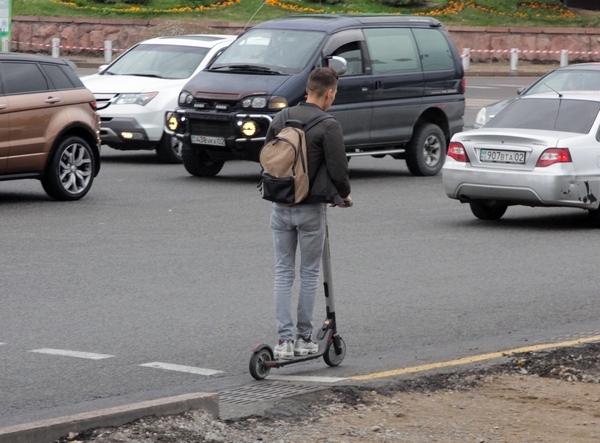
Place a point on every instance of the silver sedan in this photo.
(541, 150)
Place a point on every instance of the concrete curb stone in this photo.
(47, 431)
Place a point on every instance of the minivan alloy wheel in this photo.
(169, 149)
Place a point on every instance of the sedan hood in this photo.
(233, 86)
(101, 84)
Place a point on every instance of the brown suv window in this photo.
(19, 78)
(58, 78)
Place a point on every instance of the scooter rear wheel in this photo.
(257, 367)
(330, 357)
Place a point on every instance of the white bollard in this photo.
(107, 51)
(514, 59)
(466, 58)
(564, 57)
(55, 47)
(5, 44)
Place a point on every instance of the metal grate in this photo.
(264, 391)
(213, 128)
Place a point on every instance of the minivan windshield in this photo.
(160, 61)
(269, 51)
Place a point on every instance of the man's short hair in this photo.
(322, 80)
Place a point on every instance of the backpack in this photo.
(284, 163)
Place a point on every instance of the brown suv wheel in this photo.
(70, 173)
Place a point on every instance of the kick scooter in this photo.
(331, 346)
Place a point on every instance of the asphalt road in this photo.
(155, 267)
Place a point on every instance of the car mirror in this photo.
(102, 68)
(338, 63)
(520, 91)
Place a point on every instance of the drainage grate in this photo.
(264, 391)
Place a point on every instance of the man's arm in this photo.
(335, 157)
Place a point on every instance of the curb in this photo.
(47, 431)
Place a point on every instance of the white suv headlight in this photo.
(141, 99)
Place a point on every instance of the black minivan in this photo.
(401, 89)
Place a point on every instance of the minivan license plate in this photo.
(206, 140)
(491, 156)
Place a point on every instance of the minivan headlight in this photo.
(255, 102)
(185, 98)
(261, 102)
(141, 99)
(278, 102)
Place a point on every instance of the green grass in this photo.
(468, 13)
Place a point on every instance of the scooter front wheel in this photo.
(330, 356)
(258, 369)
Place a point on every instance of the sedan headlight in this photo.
(141, 99)
(481, 118)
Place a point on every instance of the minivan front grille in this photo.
(213, 128)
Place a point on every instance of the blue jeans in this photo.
(302, 225)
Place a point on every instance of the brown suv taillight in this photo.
(93, 105)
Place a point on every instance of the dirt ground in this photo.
(546, 396)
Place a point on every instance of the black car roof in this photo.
(334, 22)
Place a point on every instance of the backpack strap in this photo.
(316, 120)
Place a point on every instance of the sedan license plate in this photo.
(491, 156)
(207, 140)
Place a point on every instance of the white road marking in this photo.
(67, 353)
(478, 102)
(307, 378)
(180, 368)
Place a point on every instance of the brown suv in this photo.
(49, 128)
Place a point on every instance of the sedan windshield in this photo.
(274, 51)
(161, 61)
(548, 114)
(567, 80)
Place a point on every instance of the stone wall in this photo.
(87, 37)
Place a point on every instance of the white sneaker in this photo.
(305, 346)
(285, 349)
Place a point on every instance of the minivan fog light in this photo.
(249, 128)
(173, 123)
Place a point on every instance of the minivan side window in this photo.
(434, 49)
(21, 78)
(392, 50)
(354, 58)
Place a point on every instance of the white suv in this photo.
(136, 90)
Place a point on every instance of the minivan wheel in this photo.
(488, 209)
(70, 171)
(425, 152)
(169, 149)
(197, 164)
